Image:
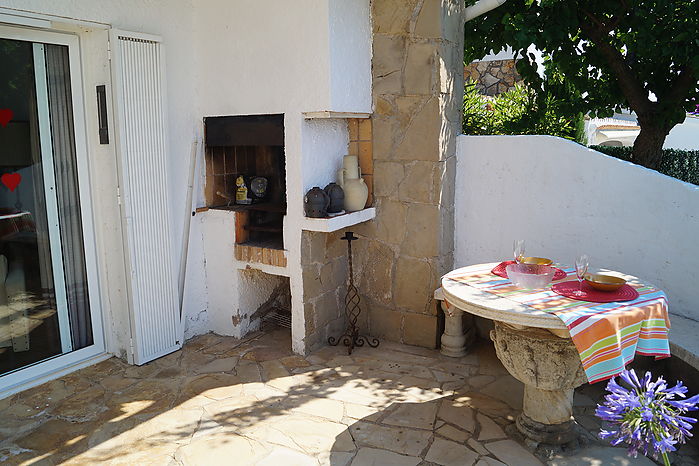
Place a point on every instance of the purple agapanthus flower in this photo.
(646, 416)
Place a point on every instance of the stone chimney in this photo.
(417, 71)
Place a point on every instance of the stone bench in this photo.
(684, 340)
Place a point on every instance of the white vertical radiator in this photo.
(140, 114)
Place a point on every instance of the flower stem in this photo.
(666, 460)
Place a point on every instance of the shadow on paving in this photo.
(226, 401)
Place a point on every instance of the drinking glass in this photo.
(518, 250)
(582, 262)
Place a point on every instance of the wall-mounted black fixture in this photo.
(102, 114)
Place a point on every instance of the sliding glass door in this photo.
(45, 307)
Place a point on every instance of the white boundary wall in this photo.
(565, 199)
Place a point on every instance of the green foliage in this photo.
(613, 53)
(520, 110)
(680, 164)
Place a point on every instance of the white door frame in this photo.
(50, 193)
(60, 364)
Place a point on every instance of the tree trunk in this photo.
(647, 149)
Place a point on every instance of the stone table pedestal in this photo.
(550, 369)
(456, 341)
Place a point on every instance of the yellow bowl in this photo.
(536, 261)
(602, 282)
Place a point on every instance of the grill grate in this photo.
(278, 316)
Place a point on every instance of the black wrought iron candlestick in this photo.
(351, 337)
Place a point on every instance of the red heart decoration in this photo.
(11, 180)
(5, 116)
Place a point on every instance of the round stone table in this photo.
(535, 347)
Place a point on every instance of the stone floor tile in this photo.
(320, 407)
(442, 376)
(19, 410)
(213, 386)
(591, 423)
(447, 453)
(484, 403)
(512, 453)
(416, 415)
(237, 408)
(82, 406)
(218, 365)
(9, 401)
(451, 367)
(416, 350)
(508, 389)
(312, 435)
(477, 446)
(489, 429)
(408, 369)
(156, 455)
(340, 360)
(193, 361)
(261, 391)
(488, 362)
(115, 383)
(407, 358)
(189, 407)
(203, 341)
(365, 413)
(487, 461)
(452, 433)
(294, 362)
(397, 439)
(284, 384)
(458, 414)
(376, 457)
(53, 435)
(335, 458)
(266, 354)
(222, 450)
(602, 456)
(281, 456)
(273, 370)
(580, 399)
(49, 393)
(480, 381)
(248, 371)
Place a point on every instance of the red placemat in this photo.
(500, 271)
(567, 289)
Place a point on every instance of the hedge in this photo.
(680, 164)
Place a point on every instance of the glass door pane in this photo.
(42, 276)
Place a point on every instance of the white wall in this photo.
(350, 55)
(222, 58)
(324, 145)
(565, 199)
(684, 136)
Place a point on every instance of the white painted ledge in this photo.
(683, 339)
(330, 224)
(329, 114)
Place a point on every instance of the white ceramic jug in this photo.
(349, 177)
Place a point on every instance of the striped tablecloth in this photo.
(607, 335)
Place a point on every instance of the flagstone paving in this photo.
(231, 402)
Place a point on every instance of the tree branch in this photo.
(632, 88)
(681, 85)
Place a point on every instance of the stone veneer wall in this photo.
(492, 77)
(417, 90)
(324, 271)
(360, 144)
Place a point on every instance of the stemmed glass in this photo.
(518, 250)
(582, 262)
